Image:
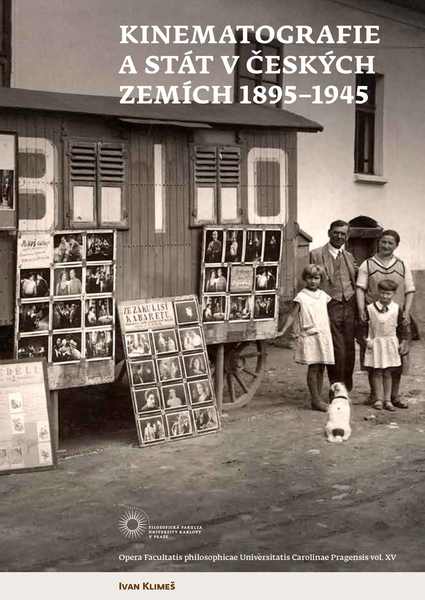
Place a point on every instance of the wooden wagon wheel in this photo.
(244, 365)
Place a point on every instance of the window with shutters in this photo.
(96, 184)
(216, 185)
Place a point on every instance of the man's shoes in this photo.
(319, 405)
(388, 405)
(399, 403)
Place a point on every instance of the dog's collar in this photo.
(335, 397)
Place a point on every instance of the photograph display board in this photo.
(25, 438)
(168, 370)
(8, 180)
(65, 297)
(240, 271)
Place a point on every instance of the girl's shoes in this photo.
(388, 405)
(378, 404)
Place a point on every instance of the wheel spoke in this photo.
(241, 382)
(231, 386)
(248, 372)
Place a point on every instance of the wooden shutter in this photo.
(82, 211)
(205, 178)
(229, 160)
(112, 161)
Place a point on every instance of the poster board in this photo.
(8, 180)
(168, 370)
(240, 278)
(25, 428)
(65, 307)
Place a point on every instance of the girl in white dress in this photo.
(314, 340)
(383, 348)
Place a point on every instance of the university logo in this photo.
(133, 523)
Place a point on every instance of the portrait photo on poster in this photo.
(99, 279)
(179, 424)
(215, 279)
(99, 344)
(147, 399)
(190, 338)
(152, 429)
(33, 347)
(214, 308)
(234, 245)
(34, 283)
(142, 372)
(186, 312)
(34, 316)
(200, 391)
(174, 395)
(165, 341)
(67, 347)
(100, 246)
(68, 247)
(67, 314)
(137, 344)
(67, 281)
(213, 245)
(98, 312)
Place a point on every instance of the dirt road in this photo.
(267, 485)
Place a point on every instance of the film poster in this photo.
(25, 437)
(66, 296)
(168, 369)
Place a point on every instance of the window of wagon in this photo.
(96, 190)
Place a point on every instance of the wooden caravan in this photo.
(155, 175)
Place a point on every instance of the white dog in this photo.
(338, 426)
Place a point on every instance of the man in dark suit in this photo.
(339, 283)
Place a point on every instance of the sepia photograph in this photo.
(147, 399)
(165, 341)
(100, 246)
(33, 347)
(152, 429)
(7, 192)
(253, 245)
(215, 279)
(200, 391)
(99, 311)
(67, 314)
(179, 424)
(174, 395)
(234, 245)
(16, 402)
(99, 279)
(142, 372)
(241, 278)
(240, 308)
(137, 344)
(34, 317)
(67, 281)
(265, 278)
(214, 309)
(99, 344)
(272, 244)
(213, 246)
(66, 348)
(195, 365)
(67, 247)
(35, 283)
(264, 306)
(169, 368)
(206, 419)
(190, 338)
(186, 312)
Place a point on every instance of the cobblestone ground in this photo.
(267, 484)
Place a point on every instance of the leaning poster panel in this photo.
(168, 370)
(240, 281)
(25, 434)
(65, 308)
